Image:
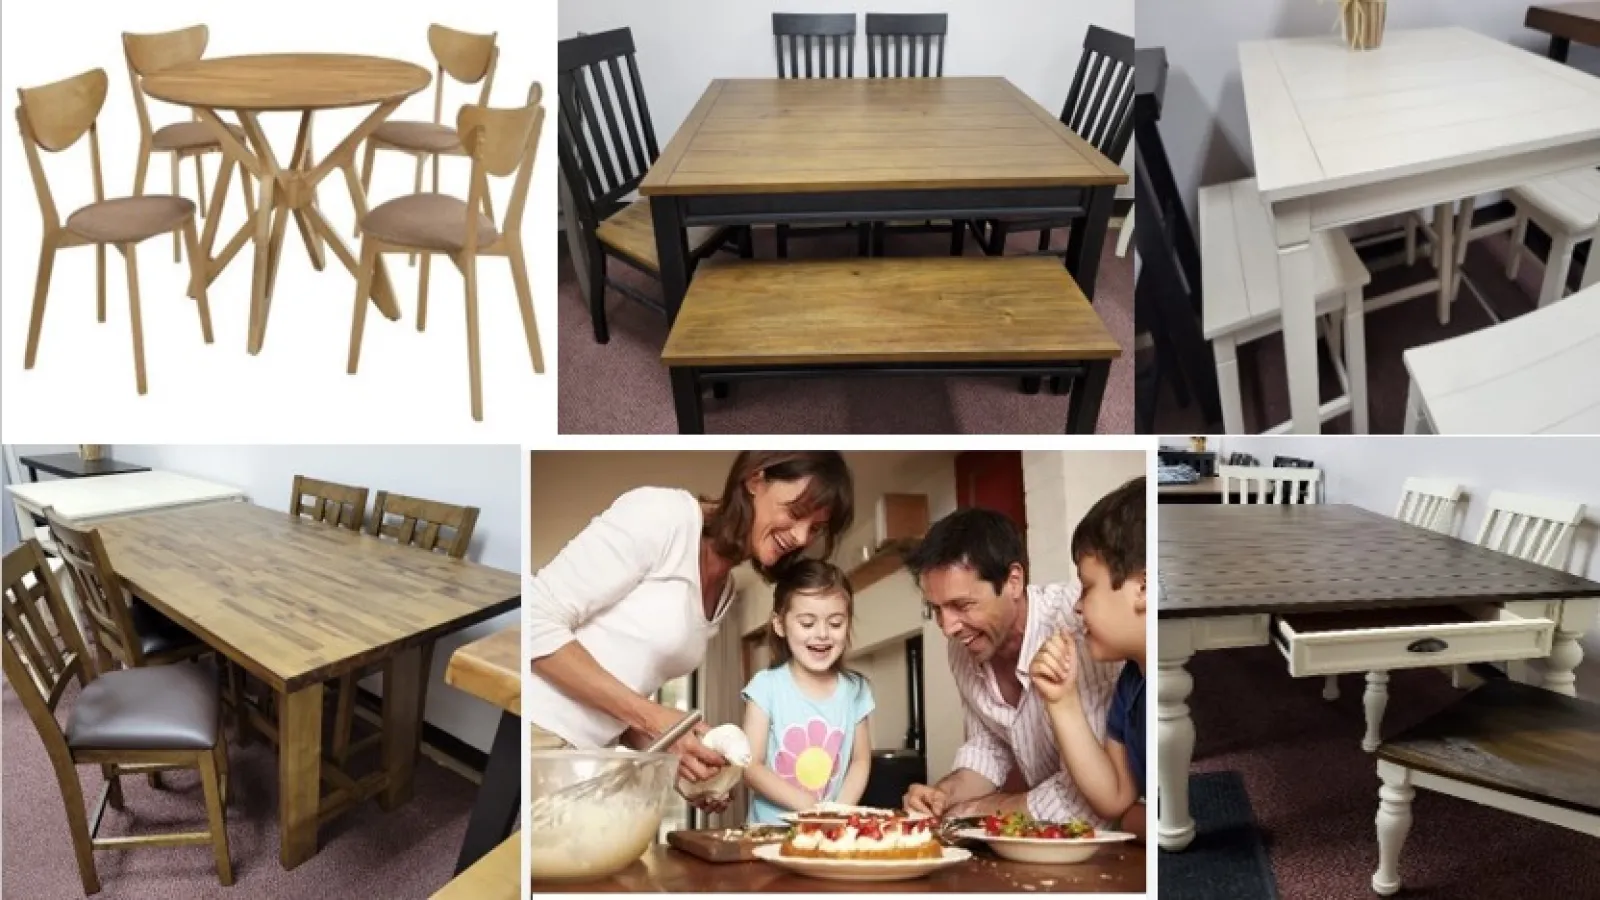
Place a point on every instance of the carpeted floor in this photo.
(622, 387)
(1226, 860)
(407, 853)
(1390, 332)
(1315, 792)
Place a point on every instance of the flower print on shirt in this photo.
(808, 757)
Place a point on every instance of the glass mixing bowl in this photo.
(602, 834)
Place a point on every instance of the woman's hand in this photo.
(696, 761)
(710, 804)
(1054, 671)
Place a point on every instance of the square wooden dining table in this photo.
(1431, 117)
(769, 150)
(1228, 574)
(297, 603)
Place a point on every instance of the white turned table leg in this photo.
(1394, 823)
(1375, 700)
(1565, 654)
(1330, 688)
(1175, 743)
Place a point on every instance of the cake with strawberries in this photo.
(887, 836)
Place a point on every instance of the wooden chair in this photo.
(54, 117)
(1242, 301)
(1099, 109)
(1429, 503)
(337, 504)
(1504, 745)
(501, 142)
(127, 721)
(148, 54)
(801, 39)
(1261, 484)
(413, 522)
(602, 173)
(468, 59)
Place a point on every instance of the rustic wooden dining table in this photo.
(1248, 576)
(490, 669)
(297, 603)
(1114, 870)
(303, 83)
(768, 150)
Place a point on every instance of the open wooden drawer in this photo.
(1379, 640)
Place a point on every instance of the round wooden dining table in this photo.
(303, 83)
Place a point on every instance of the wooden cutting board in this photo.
(709, 846)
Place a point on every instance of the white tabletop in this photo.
(1530, 375)
(1324, 117)
(81, 500)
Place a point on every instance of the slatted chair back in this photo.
(1261, 484)
(1537, 529)
(1429, 503)
(44, 651)
(425, 524)
(98, 589)
(328, 501)
(1099, 108)
(606, 140)
(896, 42)
(819, 45)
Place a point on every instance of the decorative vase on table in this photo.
(1362, 22)
(91, 452)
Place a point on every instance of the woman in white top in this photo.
(632, 601)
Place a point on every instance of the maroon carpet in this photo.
(407, 853)
(1315, 792)
(622, 387)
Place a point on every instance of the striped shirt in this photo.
(1000, 737)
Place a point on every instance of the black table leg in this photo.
(494, 814)
(1559, 46)
(1088, 240)
(1083, 411)
(672, 252)
(686, 400)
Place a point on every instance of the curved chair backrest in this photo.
(466, 57)
(148, 54)
(501, 142)
(55, 115)
(98, 588)
(43, 649)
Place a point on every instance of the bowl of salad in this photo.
(1022, 838)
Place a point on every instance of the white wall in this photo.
(488, 477)
(683, 45)
(1368, 472)
(1203, 123)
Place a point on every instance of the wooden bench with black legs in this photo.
(1002, 316)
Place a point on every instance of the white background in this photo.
(684, 45)
(489, 478)
(410, 386)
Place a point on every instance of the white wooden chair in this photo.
(1242, 301)
(1429, 503)
(1277, 484)
(1529, 375)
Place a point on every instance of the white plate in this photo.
(861, 869)
(1059, 851)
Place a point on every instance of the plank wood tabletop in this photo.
(497, 876)
(490, 669)
(785, 135)
(1236, 560)
(940, 309)
(271, 82)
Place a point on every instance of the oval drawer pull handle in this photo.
(1427, 645)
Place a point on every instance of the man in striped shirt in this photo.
(972, 568)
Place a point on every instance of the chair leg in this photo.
(469, 270)
(247, 188)
(241, 716)
(1355, 359)
(519, 278)
(958, 238)
(1591, 266)
(78, 826)
(344, 714)
(141, 169)
(211, 782)
(1330, 688)
(597, 294)
(1411, 239)
(416, 188)
(197, 276)
(369, 262)
(1226, 352)
(488, 203)
(222, 770)
(41, 288)
(1556, 267)
(100, 282)
(422, 293)
(1413, 422)
(136, 323)
(177, 191)
(200, 182)
(1044, 240)
(783, 241)
(1463, 238)
(879, 231)
(366, 174)
(108, 771)
(1519, 234)
(997, 239)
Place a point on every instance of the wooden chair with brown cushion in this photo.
(148, 54)
(412, 522)
(502, 142)
(467, 58)
(54, 117)
(126, 721)
(328, 501)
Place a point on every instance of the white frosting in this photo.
(730, 741)
(808, 840)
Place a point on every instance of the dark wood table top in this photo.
(1574, 21)
(772, 136)
(1235, 560)
(71, 465)
(1208, 486)
(1513, 738)
(1114, 870)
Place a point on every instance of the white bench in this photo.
(1242, 300)
(1566, 207)
(1530, 375)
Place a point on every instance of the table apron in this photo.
(833, 370)
(969, 203)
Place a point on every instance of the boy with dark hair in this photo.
(1108, 548)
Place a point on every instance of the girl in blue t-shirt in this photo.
(807, 715)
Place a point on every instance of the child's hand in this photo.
(1054, 671)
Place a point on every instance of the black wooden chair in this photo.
(606, 144)
(910, 45)
(1099, 109)
(806, 43)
